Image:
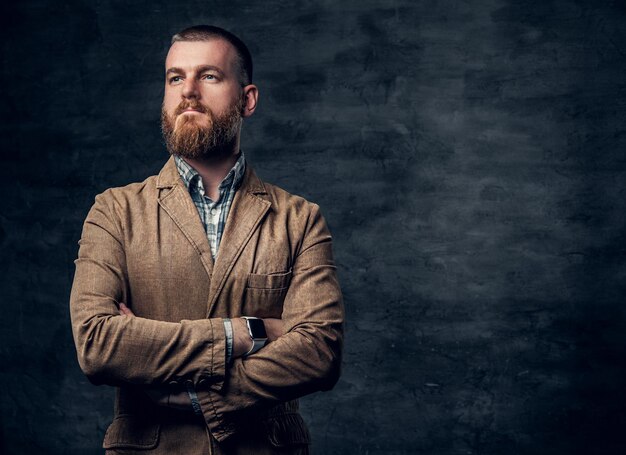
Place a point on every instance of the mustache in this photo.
(190, 104)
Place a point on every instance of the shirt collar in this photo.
(191, 178)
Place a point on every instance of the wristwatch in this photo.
(256, 329)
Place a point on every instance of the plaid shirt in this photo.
(212, 213)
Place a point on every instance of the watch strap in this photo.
(257, 343)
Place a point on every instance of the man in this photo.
(169, 269)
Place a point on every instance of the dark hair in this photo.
(208, 32)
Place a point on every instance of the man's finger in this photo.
(125, 311)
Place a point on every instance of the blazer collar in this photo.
(169, 177)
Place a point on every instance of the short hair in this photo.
(209, 32)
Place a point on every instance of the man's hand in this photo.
(274, 328)
(242, 342)
(125, 311)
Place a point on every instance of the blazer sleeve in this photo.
(304, 360)
(114, 349)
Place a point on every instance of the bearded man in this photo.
(207, 297)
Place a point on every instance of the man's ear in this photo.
(250, 99)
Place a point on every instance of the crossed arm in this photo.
(242, 343)
(118, 349)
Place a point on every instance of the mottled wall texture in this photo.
(469, 156)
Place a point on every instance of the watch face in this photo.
(257, 327)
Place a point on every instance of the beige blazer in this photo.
(144, 245)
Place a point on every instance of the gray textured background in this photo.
(469, 157)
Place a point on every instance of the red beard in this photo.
(188, 138)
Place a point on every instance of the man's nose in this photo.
(190, 89)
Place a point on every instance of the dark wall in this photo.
(468, 156)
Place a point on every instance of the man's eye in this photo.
(175, 79)
(208, 77)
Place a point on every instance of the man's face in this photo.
(203, 102)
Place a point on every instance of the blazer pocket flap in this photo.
(286, 430)
(272, 281)
(131, 432)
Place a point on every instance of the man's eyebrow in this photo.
(174, 70)
(199, 69)
(203, 68)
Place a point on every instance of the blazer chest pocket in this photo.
(264, 294)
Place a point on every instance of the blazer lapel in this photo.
(246, 213)
(177, 203)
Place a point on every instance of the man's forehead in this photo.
(189, 54)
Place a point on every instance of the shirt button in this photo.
(213, 211)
